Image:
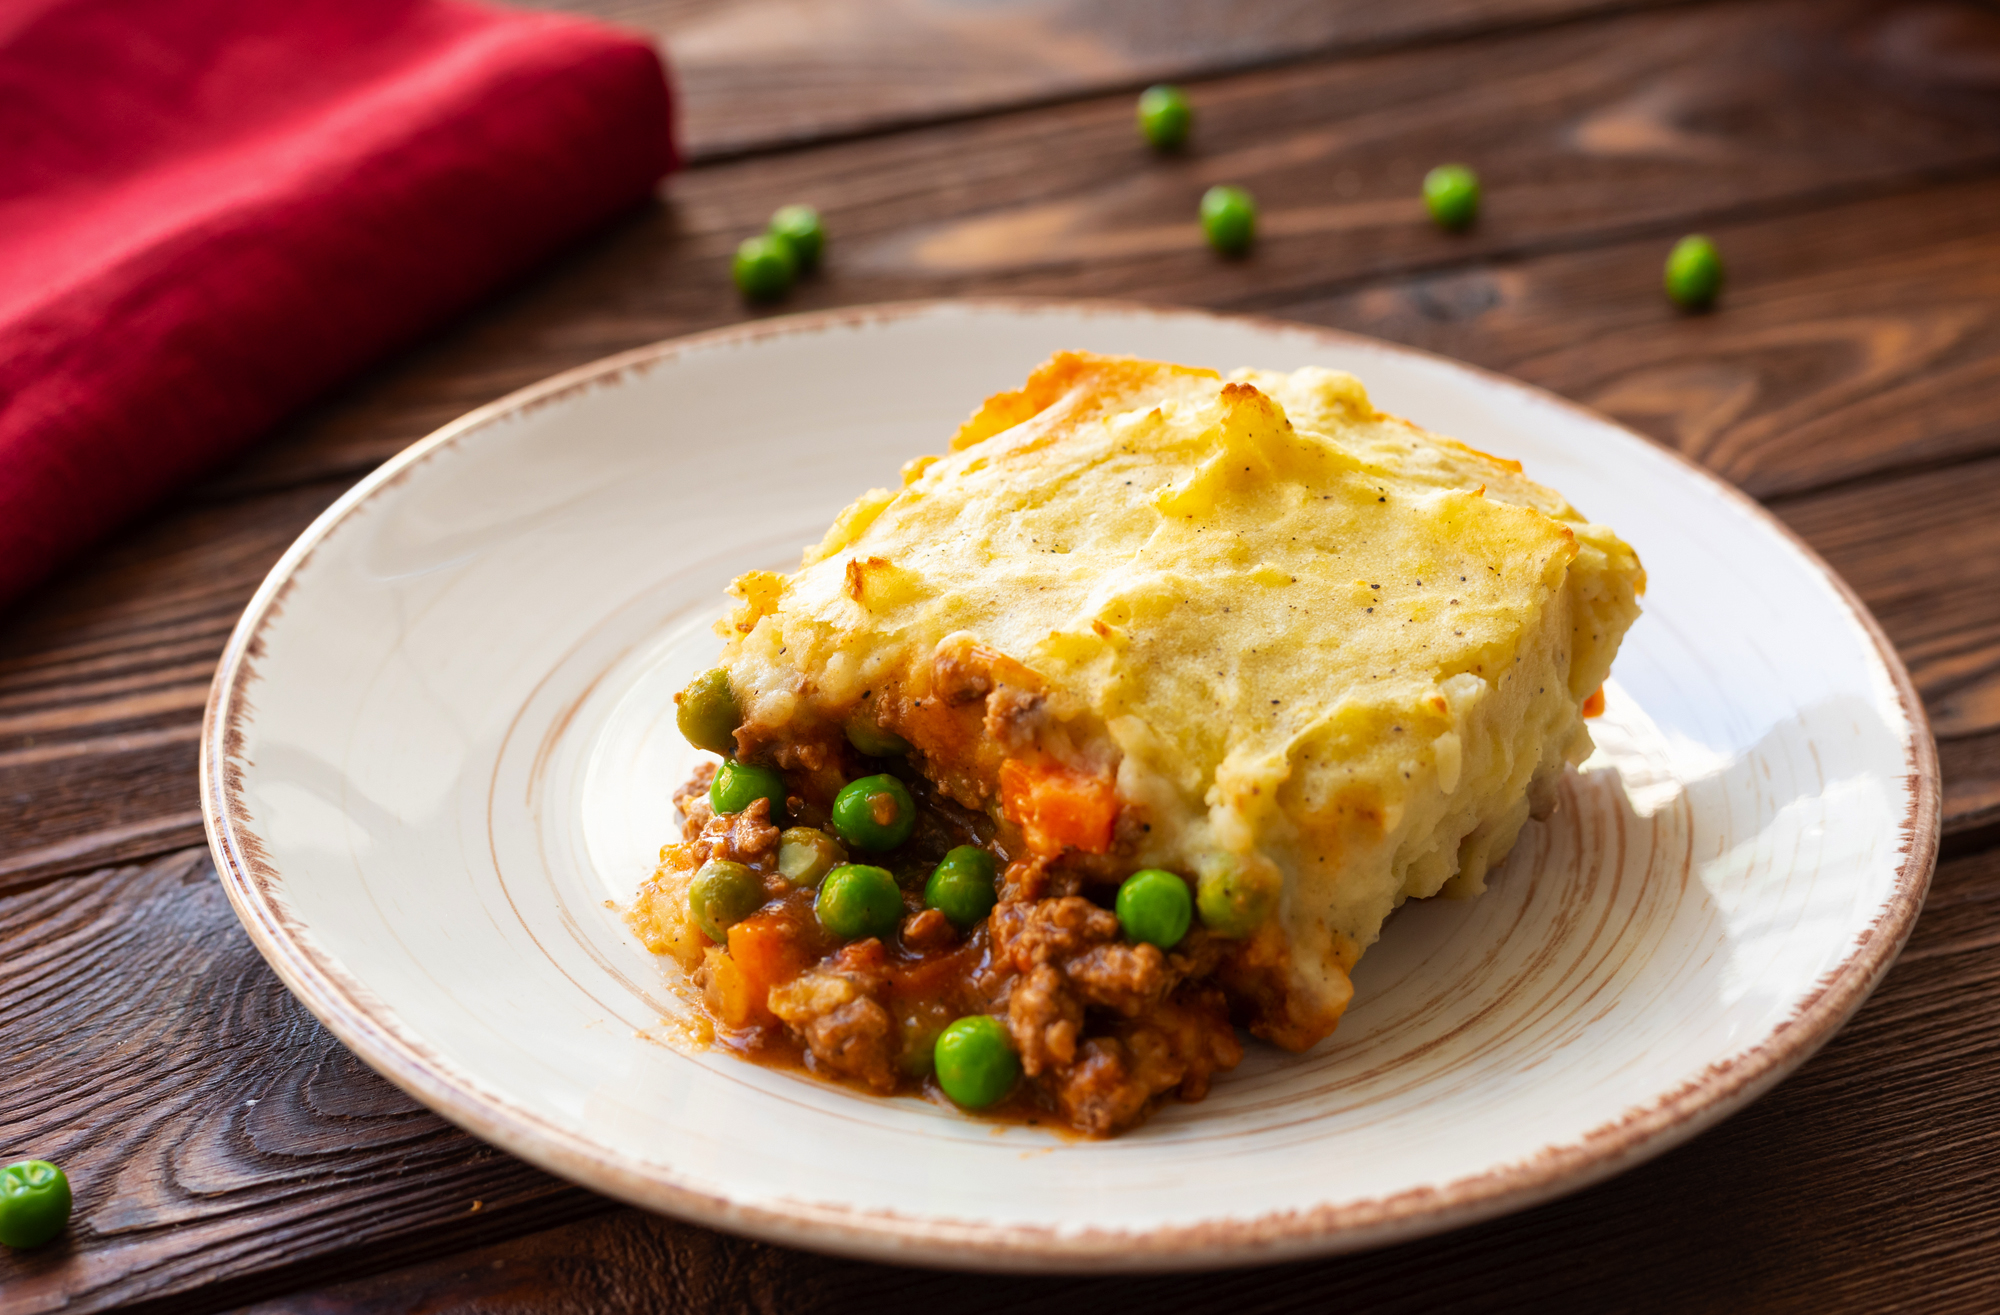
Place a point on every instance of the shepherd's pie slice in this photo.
(1306, 655)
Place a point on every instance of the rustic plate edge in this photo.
(342, 1005)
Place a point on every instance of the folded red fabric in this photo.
(211, 210)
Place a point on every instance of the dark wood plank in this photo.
(1844, 152)
(1924, 551)
(210, 1126)
(103, 679)
(1588, 134)
(1971, 768)
(1853, 339)
(1868, 1181)
(759, 73)
(1858, 335)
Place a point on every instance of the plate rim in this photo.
(350, 1011)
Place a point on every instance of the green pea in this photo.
(1154, 906)
(856, 900)
(737, 785)
(34, 1203)
(872, 740)
(1233, 902)
(708, 713)
(806, 853)
(1164, 117)
(976, 1064)
(764, 267)
(1228, 219)
(874, 813)
(962, 886)
(723, 894)
(916, 1053)
(1451, 192)
(800, 225)
(1694, 272)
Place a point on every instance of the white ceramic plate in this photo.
(442, 740)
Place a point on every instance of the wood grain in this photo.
(1852, 340)
(209, 1125)
(1937, 595)
(1846, 155)
(754, 74)
(1845, 1189)
(103, 678)
(1587, 134)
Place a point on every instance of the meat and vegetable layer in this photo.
(1123, 725)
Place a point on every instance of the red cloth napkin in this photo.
(211, 210)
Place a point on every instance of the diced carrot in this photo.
(767, 951)
(1594, 705)
(1057, 808)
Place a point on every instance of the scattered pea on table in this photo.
(1164, 117)
(1451, 194)
(1694, 272)
(34, 1203)
(800, 226)
(857, 901)
(975, 1062)
(764, 267)
(1228, 219)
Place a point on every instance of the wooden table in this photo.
(1844, 154)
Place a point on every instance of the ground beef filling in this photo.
(1105, 1028)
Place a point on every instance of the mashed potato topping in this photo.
(1251, 631)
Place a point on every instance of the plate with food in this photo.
(1029, 785)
